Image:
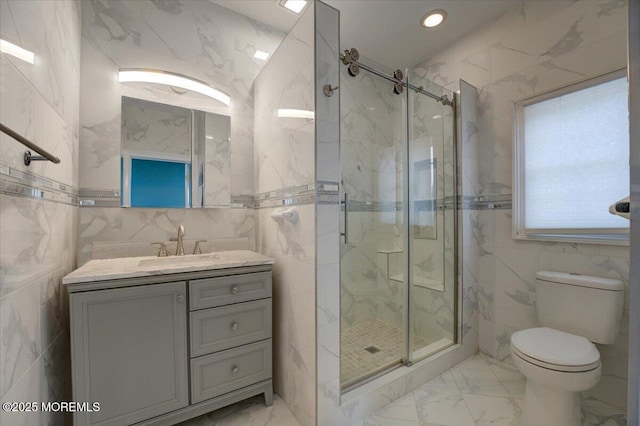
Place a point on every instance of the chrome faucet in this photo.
(180, 244)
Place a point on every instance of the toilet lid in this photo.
(555, 348)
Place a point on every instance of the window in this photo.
(572, 162)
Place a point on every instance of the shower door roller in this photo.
(351, 55)
(353, 70)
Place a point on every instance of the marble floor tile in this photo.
(478, 381)
(515, 388)
(443, 383)
(250, 412)
(503, 371)
(479, 391)
(444, 408)
(493, 411)
(383, 421)
(403, 409)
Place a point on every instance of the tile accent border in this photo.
(99, 198)
(105, 198)
(327, 192)
(485, 202)
(19, 183)
(291, 196)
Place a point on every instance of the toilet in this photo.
(559, 359)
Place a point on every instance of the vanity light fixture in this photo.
(295, 6)
(296, 113)
(433, 18)
(261, 55)
(139, 75)
(17, 51)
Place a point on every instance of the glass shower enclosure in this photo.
(398, 220)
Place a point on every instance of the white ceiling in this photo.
(388, 31)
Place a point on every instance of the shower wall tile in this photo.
(536, 47)
(38, 236)
(284, 157)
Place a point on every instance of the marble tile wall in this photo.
(38, 242)
(284, 158)
(104, 224)
(536, 47)
(199, 39)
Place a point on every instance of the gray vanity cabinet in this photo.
(129, 348)
(161, 349)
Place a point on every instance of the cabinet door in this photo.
(129, 352)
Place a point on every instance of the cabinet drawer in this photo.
(226, 371)
(216, 329)
(211, 292)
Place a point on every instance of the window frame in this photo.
(609, 236)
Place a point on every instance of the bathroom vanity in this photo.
(161, 340)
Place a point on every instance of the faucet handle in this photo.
(196, 248)
(163, 249)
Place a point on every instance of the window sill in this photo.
(602, 239)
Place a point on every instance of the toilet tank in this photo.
(588, 306)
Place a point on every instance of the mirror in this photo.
(173, 157)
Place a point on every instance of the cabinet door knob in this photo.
(180, 298)
(234, 289)
(234, 369)
(234, 325)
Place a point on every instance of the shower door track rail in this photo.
(442, 99)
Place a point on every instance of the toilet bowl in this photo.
(559, 359)
(557, 366)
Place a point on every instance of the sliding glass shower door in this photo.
(397, 265)
(432, 215)
(373, 294)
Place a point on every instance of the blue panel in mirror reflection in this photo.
(156, 183)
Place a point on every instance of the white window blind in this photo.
(576, 158)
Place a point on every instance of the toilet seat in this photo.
(555, 350)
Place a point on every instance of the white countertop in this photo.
(131, 267)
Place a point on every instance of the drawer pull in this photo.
(234, 326)
(180, 298)
(234, 289)
(234, 369)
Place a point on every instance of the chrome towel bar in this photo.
(28, 158)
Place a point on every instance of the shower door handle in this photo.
(345, 234)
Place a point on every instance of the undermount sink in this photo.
(192, 259)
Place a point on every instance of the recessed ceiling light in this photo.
(16, 51)
(433, 18)
(261, 55)
(294, 5)
(174, 80)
